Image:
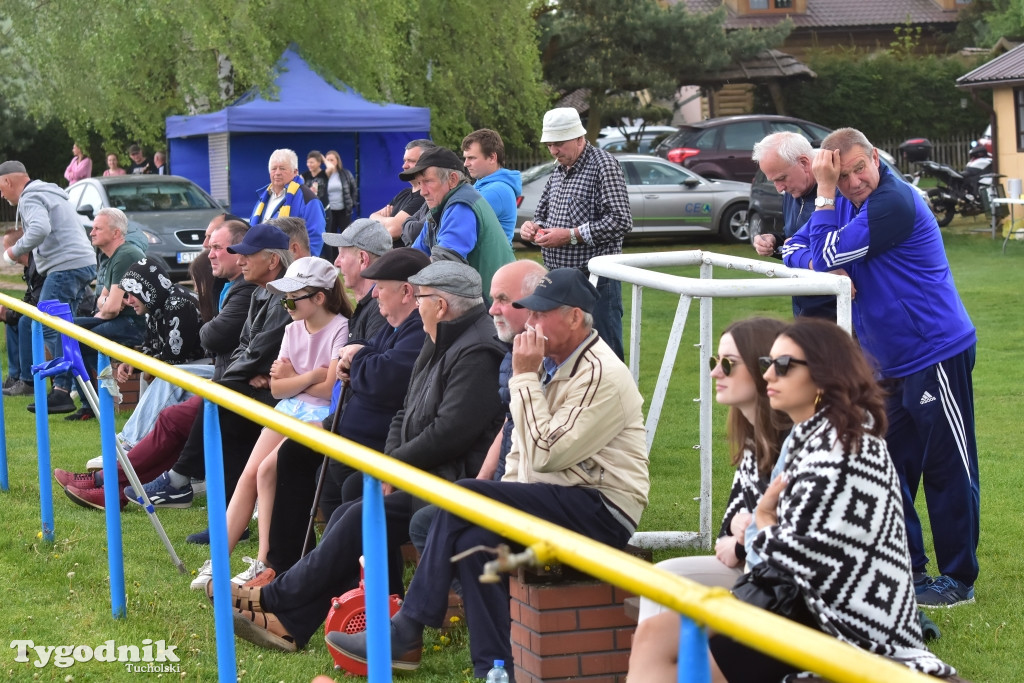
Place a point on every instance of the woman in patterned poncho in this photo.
(833, 520)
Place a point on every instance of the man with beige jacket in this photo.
(578, 459)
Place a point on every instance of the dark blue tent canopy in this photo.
(226, 152)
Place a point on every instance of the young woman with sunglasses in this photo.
(302, 378)
(832, 521)
(755, 434)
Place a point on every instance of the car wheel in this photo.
(943, 209)
(733, 225)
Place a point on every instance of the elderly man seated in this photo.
(578, 459)
(450, 416)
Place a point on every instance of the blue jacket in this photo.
(907, 312)
(301, 203)
(501, 189)
(378, 382)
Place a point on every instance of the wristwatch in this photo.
(572, 237)
(819, 202)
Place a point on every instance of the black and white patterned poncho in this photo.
(841, 534)
(172, 317)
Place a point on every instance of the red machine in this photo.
(348, 614)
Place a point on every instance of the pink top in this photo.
(119, 171)
(78, 169)
(308, 351)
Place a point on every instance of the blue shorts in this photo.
(301, 410)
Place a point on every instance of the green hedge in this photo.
(884, 95)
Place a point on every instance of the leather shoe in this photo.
(57, 402)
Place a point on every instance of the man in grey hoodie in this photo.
(58, 243)
(484, 153)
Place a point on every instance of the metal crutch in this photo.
(323, 473)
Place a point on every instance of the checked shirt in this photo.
(590, 195)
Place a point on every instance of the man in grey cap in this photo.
(448, 420)
(578, 459)
(58, 243)
(461, 225)
(583, 212)
(359, 246)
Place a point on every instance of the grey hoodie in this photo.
(53, 231)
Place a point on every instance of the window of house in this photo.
(783, 4)
(1018, 101)
(758, 4)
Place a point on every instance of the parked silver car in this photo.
(665, 199)
(171, 211)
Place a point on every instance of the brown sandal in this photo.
(242, 597)
(263, 629)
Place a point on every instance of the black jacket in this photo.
(221, 334)
(452, 410)
(261, 337)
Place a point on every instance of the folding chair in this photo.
(71, 360)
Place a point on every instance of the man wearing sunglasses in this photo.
(910, 321)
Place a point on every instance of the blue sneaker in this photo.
(203, 537)
(946, 591)
(922, 582)
(162, 494)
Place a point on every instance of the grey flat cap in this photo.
(449, 276)
(366, 234)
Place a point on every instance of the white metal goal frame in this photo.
(776, 280)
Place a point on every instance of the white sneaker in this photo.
(203, 577)
(255, 567)
(198, 486)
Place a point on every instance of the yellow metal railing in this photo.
(714, 608)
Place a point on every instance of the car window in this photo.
(617, 146)
(91, 197)
(157, 197)
(706, 140)
(742, 135)
(818, 132)
(653, 173)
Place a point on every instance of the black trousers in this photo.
(238, 436)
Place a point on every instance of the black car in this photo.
(721, 148)
(171, 211)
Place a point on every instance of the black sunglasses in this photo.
(290, 303)
(781, 364)
(727, 365)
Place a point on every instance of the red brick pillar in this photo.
(574, 630)
(129, 394)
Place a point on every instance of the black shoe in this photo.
(83, 413)
(57, 402)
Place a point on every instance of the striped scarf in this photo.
(285, 208)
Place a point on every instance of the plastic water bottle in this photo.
(498, 673)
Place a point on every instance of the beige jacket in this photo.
(585, 428)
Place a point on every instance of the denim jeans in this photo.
(69, 287)
(608, 314)
(158, 396)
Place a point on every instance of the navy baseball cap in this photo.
(260, 237)
(561, 287)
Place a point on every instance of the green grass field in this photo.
(59, 595)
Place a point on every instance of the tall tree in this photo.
(119, 67)
(610, 47)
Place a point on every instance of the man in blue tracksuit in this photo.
(911, 323)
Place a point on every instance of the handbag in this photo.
(771, 589)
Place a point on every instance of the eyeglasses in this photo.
(727, 364)
(781, 364)
(420, 296)
(290, 303)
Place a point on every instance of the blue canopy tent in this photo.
(226, 152)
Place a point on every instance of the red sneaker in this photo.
(84, 480)
(91, 498)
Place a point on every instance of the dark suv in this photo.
(720, 148)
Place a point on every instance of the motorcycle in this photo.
(968, 193)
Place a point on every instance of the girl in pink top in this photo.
(302, 378)
(114, 166)
(80, 166)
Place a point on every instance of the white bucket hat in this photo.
(562, 124)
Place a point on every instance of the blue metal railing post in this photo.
(694, 665)
(111, 497)
(42, 435)
(216, 510)
(378, 614)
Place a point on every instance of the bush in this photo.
(886, 95)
